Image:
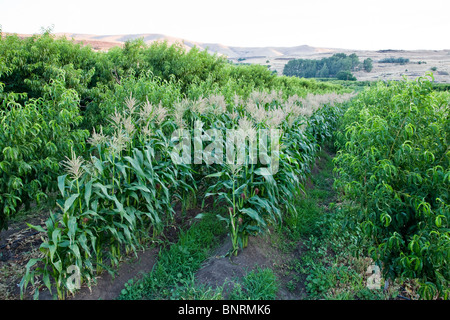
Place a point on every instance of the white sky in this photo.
(349, 24)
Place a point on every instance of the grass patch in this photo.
(312, 206)
(258, 284)
(333, 263)
(172, 276)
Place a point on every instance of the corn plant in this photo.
(123, 195)
(248, 210)
(255, 195)
(112, 203)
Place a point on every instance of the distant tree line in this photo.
(400, 60)
(337, 66)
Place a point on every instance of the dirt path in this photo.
(109, 287)
(220, 270)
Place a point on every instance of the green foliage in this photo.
(165, 62)
(399, 60)
(291, 86)
(35, 137)
(120, 192)
(394, 160)
(333, 260)
(144, 89)
(172, 275)
(323, 68)
(159, 74)
(255, 194)
(33, 61)
(441, 86)
(117, 200)
(258, 284)
(345, 75)
(367, 65)
(127, 187)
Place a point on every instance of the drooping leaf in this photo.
(68, 203)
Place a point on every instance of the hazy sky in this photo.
(350, 24)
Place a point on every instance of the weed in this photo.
(172, 275)
(258, 284)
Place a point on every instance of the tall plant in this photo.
(34, 138)
(394, 159)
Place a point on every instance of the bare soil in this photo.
(109, 286)
(18, 245)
